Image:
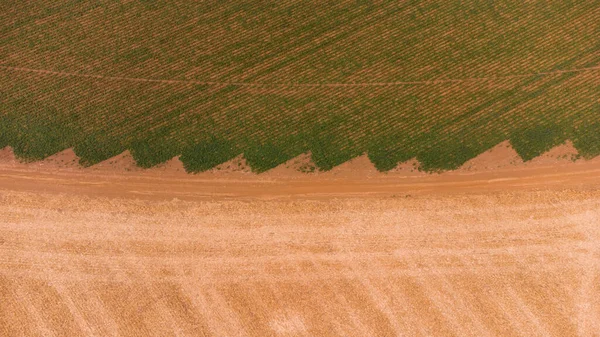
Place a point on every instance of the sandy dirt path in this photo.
(511, 253)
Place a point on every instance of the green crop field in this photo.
(441, 81)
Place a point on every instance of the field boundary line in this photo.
(258, 84)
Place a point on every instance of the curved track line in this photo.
(332, 85)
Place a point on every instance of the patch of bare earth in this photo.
(7, 156)
(296, 167)
(504, 157)
(173, 166)
(64, 160)
(501, 156)
(408, 168)
(359, 166)
(122, 162)
(559, 155)
(234, 168)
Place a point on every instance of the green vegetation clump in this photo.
(209, 81)
(207, 155)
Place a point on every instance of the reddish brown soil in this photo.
(504, 157)
(121, 162)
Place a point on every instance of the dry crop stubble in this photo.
(506, 263)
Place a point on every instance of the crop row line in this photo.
(257, 84)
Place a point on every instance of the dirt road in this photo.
(512, 253)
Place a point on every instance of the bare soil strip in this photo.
(158, 186)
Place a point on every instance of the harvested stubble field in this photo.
(92, 92)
